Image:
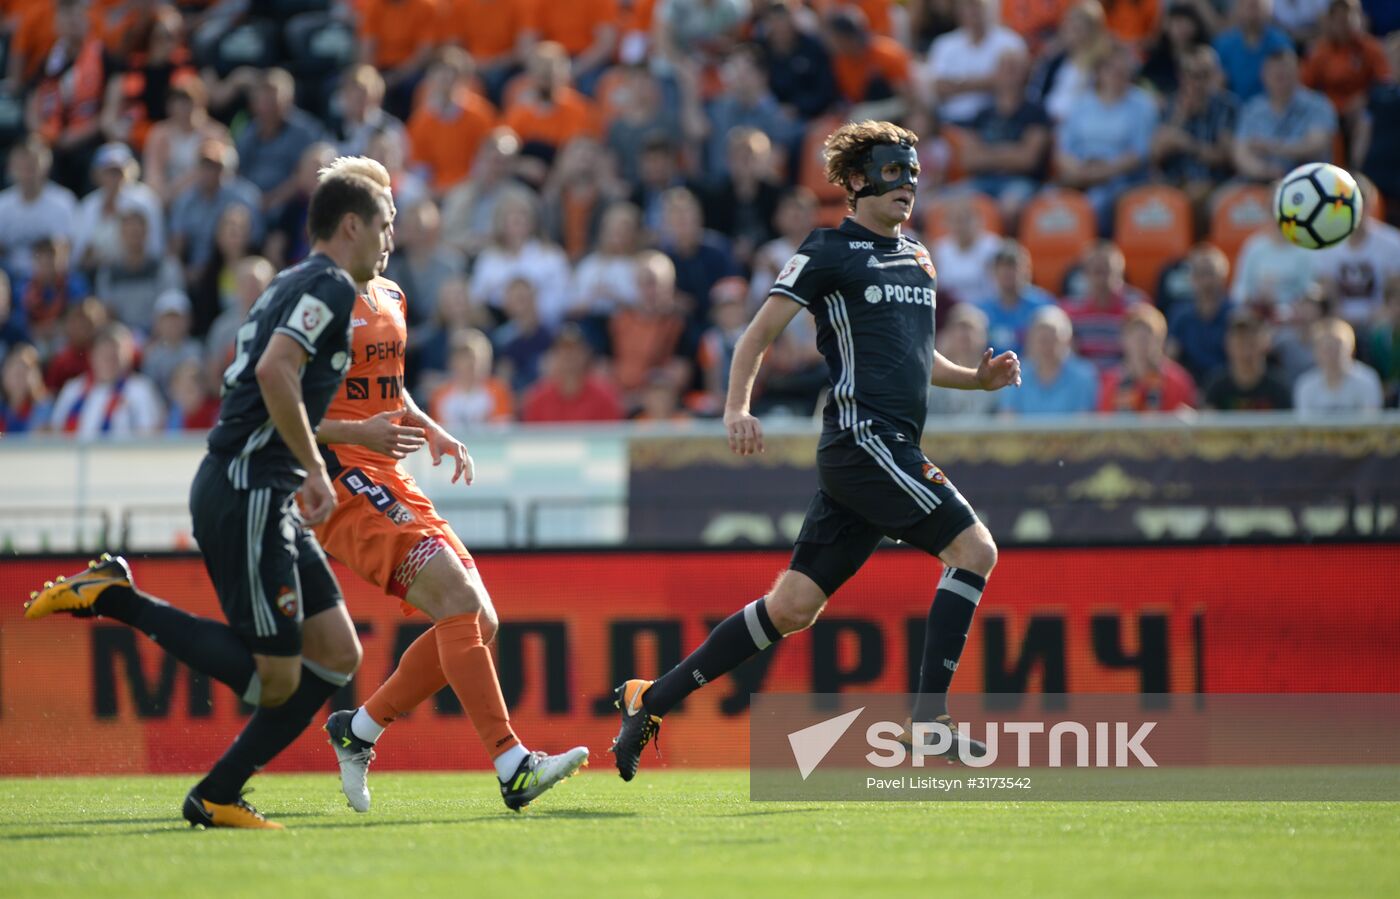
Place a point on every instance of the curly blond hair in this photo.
(845, 150)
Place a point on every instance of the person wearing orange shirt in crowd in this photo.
(548, 113)
(1132, 21)
(31, 39)
(137, 99)
(586, 29)
(1036, 21)
(645, 335)
(877, 13)
(397, 38)
(1146, 380)
(868, 67)
(569, 391)
(449, 121)
(1345, 63)
(494, 32)
(470, 396)
(65, 105)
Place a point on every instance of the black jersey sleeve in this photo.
(320, 317)
(810, 274)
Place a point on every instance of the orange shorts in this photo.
(383, 527)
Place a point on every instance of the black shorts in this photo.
(875, 484)
(268, 570)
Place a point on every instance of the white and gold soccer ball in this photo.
(1317, 205)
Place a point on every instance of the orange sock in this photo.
(469, 669)
(415, 680)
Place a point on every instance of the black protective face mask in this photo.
(882, 155)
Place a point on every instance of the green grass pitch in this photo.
(674, 834)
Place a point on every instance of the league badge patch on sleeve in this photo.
(788, 276)
(310, 318)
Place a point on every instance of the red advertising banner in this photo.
(92, 697)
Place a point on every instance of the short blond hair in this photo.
(846, 148)
(363, 166)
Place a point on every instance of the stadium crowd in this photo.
(595, 195)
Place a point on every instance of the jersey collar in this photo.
(850, 227)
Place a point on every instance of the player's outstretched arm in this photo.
(440, 443)
(992, 373)
(745, 431)
(384, 433)
(279, 378)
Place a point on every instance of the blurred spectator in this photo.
(273, 140)
(390, 148)
(660, 400)
(196, 211)
(287, 242)
(449, 121)
(1106, 135)
(396, 38)
(1098, 313)
(961, 65)
(699, 30)
(420, 262)
(579, 188)
(430, 344)
(1197, 330)
(517, 251)
(251, 276)
(96, 232)
(701, 256)
(1015, 300)
(1007, 140)
(1054, 381)
(868, 67)
(129, 285)
(173, 146)
(1339, 383)
(546, 112)
(215, 284)
(470, 396)
(1300, 18)
(65, 105)
(746, 101)
(1244, 47)
(728, 318)
(1271, 269)
(1183, 33)
(1292, 349)
(568, 392)
(12, 326)
(358, 112)
(51, 290)
(81, 322)
(523, 341)
(24, 400)
(1358, 267)
(1065, 75)
(110, 400)
(961, 340)
(33, 207)
(795, 219)
(170, 344)
(659, 171)
(1131, 21)
(1383, 338)
(934, 150)
(741, 205)
(1036, 21)
(1147, 380)
(1345, 63)
(1246, 383)
(646, 335)
(192, 406)
(1377, 143)
(586, 29)
(799, 67)
(1192, 145)
(606, 279)
(640, 115)
(963, 257)
(1285, 126)
(137, 98)
(493, 32)
(469, 209)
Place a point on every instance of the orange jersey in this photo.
(374, 381)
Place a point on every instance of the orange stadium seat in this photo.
(957, 152)
(935, 223)
(1239, 211)
(1152, 226)
(811, 172)
(1056, 228)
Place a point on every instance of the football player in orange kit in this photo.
(388, 532)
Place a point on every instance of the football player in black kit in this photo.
(871, 290)
(289, 643)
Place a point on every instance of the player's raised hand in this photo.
(387, 435)
(994, 373)
(317, 497)
(745, 433)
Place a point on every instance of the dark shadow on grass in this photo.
(492, 818)
(173, 819)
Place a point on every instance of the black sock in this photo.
(734, 641)
(949, 620)
(266, 734)
(206, 645)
